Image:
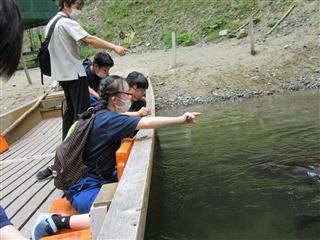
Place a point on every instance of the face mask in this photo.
(125, 107)
(101, 75)
(75, 14)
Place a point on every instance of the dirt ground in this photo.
(286, 60)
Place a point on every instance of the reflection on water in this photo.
(240, 172)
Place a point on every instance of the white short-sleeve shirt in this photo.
(66, 63)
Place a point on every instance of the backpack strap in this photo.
(51, 29)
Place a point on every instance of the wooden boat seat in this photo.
(62, 206)
(71, 235)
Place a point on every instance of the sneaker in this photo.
(44, 174)
(44, 226)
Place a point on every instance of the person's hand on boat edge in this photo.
(190, 117)
(144, 111)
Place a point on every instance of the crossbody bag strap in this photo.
(51, 29)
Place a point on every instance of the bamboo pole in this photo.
(283, 17)
(174, 56)
(252, 50)
(25, 69)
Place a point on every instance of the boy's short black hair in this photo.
(138, 79)
(69, 3)
(11, 32)
(103, 59)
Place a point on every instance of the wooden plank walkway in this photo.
(22, 197)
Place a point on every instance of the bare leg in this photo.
(10, 232)
(80, 221)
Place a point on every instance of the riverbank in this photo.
(286, 60)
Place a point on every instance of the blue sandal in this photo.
(44, 226)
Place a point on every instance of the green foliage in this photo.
(190, 19)
(108, 36)
(271, 22)
(90, 30)
(256, 19)
(212, 36)
(87, 51)
(32, 64)
(185, 39)
(210, 26)
(32, 40)
(166, 37)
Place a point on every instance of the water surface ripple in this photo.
(236, 174)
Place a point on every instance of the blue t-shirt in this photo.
(136, 106)
(108, 129)
(4, 221)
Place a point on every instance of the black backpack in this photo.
(68, 167)
(44, 55)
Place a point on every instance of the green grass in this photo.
(154, 20)
(182, 38)
(89, 29)
(192, 20)
(271, 22)
(87, 51)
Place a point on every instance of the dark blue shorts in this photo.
(4, 221)
(83, 194)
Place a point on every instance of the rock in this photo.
(255, 78)
(286, 46)
(224, 32)
(232, 35)
(242, 34)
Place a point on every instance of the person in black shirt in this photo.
(138, 84)
(97, 70)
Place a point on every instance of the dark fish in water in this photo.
(310, 174)
(305, 220)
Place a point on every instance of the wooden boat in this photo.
(33, 133)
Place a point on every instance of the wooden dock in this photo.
(22, 197)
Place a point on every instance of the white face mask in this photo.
(101, 75)
(126, 104)
(75, 14)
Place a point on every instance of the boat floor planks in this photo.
(22, 146)
(20, 194)
(45, 207)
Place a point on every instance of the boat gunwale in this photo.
(126, 217)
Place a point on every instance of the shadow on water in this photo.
(246, 170)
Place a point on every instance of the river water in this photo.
(240, 172)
